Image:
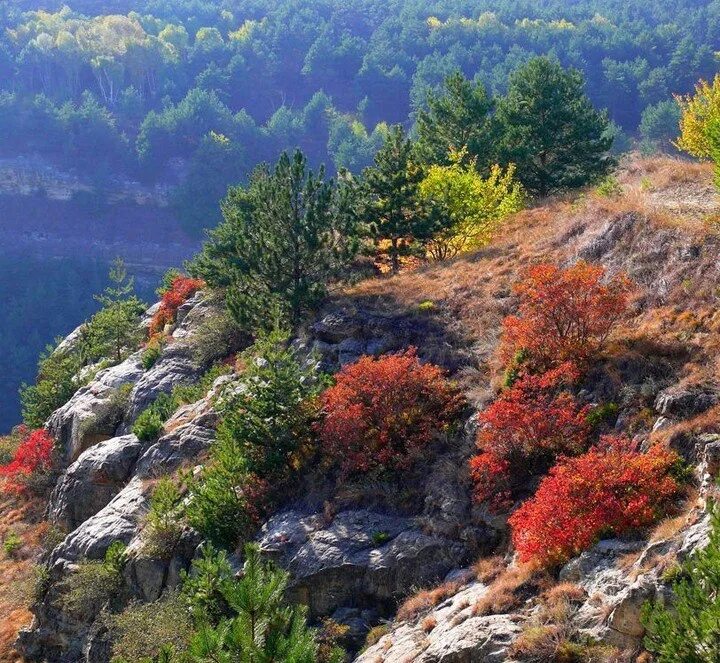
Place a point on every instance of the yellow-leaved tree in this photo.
(700, 120)
(472, 206)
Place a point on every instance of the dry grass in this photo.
(17, 573)
(563, 592)
(426, 599)
(428, 624)
(472, 293)
(487, 569)
(513, 586)
(375, 634)
(550, 635)
(667, 528)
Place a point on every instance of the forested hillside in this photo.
(190, 95)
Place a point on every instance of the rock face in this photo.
(23, 176)
(103, 496)
(617, 590)
(683, 401)
(359, 559)
(449, 634)
(186, 443)
(94, 412)
(119, 520)
(91, 482)
(342, 336)
(178, 363)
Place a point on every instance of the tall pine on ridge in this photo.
(550, 130)
(456, 120)
(283, 238)
(395, 209)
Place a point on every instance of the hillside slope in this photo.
(359, 550)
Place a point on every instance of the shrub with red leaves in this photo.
(524, 429)
(180, 290)
(612, 488)
(564, 314)
(32, 457)
(383, 412)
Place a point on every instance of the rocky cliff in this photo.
(476, 602)
(56, 213)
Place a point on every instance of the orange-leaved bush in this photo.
(524, 429)
(180, 290)
(383, 412)
(564, 314)
(33, 456)
(612, 488)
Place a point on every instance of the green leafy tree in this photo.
(688, 630)
(283, 239)
(395, 210)
(550, 130)
(472, 205)
(114, 329)
(459, 118)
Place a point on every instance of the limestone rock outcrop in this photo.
(360, 558)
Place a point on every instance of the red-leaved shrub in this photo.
(33, 456)
(564, 314)
(612, 488)
(383, 412)
(180, 290)
(524, 429)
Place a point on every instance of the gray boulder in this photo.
(94, 412)
(683, 401)
(185, 443)
(117, 521)
(174, 367)
(449, 633)
(91, 482)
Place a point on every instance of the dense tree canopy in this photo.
(127, 85)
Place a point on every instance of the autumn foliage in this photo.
(525, 428)
(33, 456)
(383, 412)
(612, 488)
(564, 314)
(180, 290)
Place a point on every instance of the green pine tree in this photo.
(688, 630)
(114, 329)
(283, 239)
(258, 625)
(266, 431)
(395, 210)
(550, 130)
(456, 120)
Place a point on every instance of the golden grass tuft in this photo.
(428, 624)
(510, 589)
(486, 569)
(426, 599)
